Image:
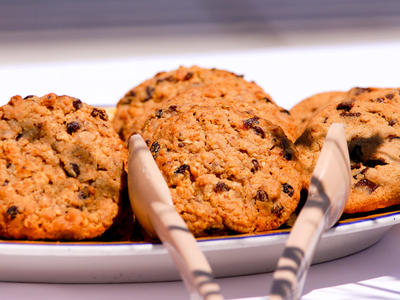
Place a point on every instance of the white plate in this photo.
(141, 262)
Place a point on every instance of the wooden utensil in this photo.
(328, 193)
(152, 203)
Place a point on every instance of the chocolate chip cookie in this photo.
(371, 118)
(141, 102)
(61, 169)
(228, 171)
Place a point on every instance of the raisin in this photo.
(172, 108)
(84, 193)
(29, 96)
(75, 168)
(277, 210)
(149, 93)
(287, 156)
(285, 111)
(12, 212)
(159, 113)
(346, 106)
(19, 135)
(188, 76)
(249, 123)
(73, 171)
(259, 131)
(393, 137)
(125, 101)
(96, 112)
(380, 99)
(267, 100)
(288, 189)
(6, 182)
(350, 114)
(358, 90)
(73, 127)
(154, 149)
(392, 122)
(389, 96)
(261, 196)
(132, 94)
(221, 187)
(355, 166)
(256, 165)
(371, 186)
(182, 169)
(181, 145)
(77, 103)
(372, 163)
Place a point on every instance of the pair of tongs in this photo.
(152, 203)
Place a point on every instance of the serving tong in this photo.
(328, 193)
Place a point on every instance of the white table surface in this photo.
(289, 67)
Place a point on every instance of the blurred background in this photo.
(97, 50)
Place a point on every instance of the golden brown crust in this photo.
(226, 170)
(61, 166)
(372, 123)
(304, 110)
(141, 102)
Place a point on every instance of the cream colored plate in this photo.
(135, 262)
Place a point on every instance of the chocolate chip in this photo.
(73, 127)
(369, 185)
(12, 212)
(77, 103)
(159, 113)
(249, 123)
(372, 163)
(389, 96)
(258, 130)
(261, 196)
(97, 112)
(84, 193)
(346, 106)
(188, 76)
(221, 187)
(149, 93)
(29, 96)
(256, 165)
(277, 210)
(182, 169)
(154, 149)
(350, 114)
(288, 189)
